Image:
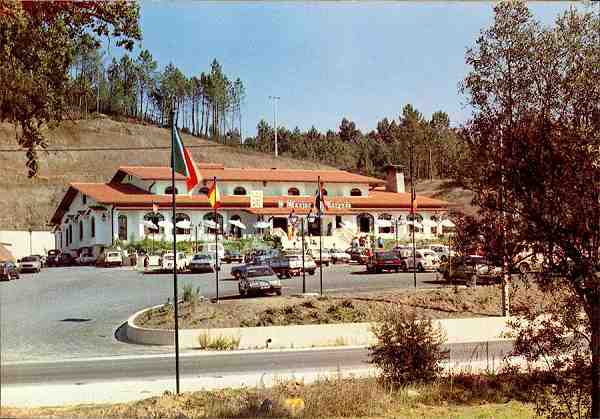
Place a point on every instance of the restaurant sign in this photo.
(290, 203)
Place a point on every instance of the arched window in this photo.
(180, 216)
(365, 222)
(233, 229)
(385, 223)
(154, 219)
(93, 227)
(355, 192)
(169, 190)
(294, 191)
(414, 222)
(203, 191)
(210, 216)
(239, 191)
(122, 227)
(80, 230)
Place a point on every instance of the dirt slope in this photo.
(28, 203)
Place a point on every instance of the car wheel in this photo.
(311, 272)
(420, 268)
(524, 268)
(397, 270)
(278, 292)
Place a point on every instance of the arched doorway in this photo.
(211, 217)
(180, 216)
(154, 218)
(234, 230)
(365, 222)
(385, 223)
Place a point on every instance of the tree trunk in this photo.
(595, 347)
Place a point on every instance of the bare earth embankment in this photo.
(31, 202)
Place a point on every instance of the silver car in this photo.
(30, 264)
(259, 280)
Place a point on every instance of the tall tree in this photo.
(535, 142)
(38, 43)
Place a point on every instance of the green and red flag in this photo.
(181, 160)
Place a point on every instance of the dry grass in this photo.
(448, 191)
(464, 396)
(32, 202)
(345, 308)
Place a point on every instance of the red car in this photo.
(385, 261)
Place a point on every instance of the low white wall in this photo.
(307, 336)
(41, 242)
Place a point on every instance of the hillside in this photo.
(447, 190)
(30, 202)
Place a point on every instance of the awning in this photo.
(210, 223)
(448, 223)
(238, 224)
(415, 223)
(165, 224)
(150, 224)
(429, 223)
(383, 223)
(348, 225)
(183, 224)
(262, 224)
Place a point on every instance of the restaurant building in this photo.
(136, 203)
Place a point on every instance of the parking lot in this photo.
(74, 311)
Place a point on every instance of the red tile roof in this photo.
(208, 171)
(126, 195)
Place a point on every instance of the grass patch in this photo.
(218, 343)
(463, 396)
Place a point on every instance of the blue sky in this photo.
(360, 60)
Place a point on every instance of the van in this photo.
(209, 249)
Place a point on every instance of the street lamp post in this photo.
(293, 219)
(275, 99)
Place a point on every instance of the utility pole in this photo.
(275, 99)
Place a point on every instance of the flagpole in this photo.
(320, 234)
(173, 128)
(216, 245)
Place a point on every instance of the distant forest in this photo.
(209, 105)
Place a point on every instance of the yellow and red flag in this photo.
(214, 197)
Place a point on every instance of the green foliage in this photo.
(407, 350)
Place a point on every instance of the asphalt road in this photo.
(64, 313)
(115, 369)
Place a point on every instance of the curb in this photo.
(342, 335)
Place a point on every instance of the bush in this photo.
(407, 350)
(219, 343)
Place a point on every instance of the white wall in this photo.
(41, 242)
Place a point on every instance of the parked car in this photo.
(359, 254)
(423, 260)
(183, 261)
(240, 270)
(385, 261)
(471, 269)
(324, 256)
(442, 251)
(110, 258)
(30, 264)
(202, 263)
(339, 256)
(8, 271)
(52, 258)
(85, 259)
(65, 259)
(526, 262)
(232, 256)
(42, 260)
(209, 249)
(289, 265)
(259, 280)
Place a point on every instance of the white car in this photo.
(30, 264)
(425, 260)
(183, 261)
(442, 251)
(339, 256)
(110, 258)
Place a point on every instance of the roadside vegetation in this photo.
(344, 308)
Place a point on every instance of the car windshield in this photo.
(202, 258)
(29, 259)
(386, 256)
(261, 271)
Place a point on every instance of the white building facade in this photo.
(136, 204)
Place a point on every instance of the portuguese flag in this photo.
(181, 160)
(214, 197)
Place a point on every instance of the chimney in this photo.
(395, 178)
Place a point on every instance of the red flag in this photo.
(193, 177)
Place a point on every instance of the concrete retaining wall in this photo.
(24, 244)
(307, 336)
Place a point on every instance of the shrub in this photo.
(408, 350)
(219, 343)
